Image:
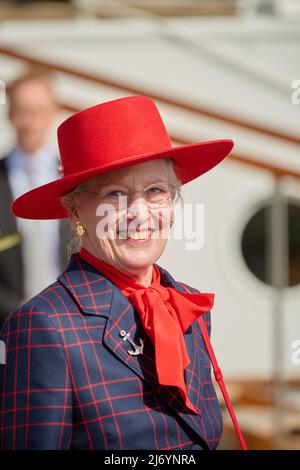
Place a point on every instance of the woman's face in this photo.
(122, 205)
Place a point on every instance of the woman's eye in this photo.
(156, 190)
(115, 193)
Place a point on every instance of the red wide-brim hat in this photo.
(113, 135)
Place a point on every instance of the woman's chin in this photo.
(141, 260)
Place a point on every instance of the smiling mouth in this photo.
(141, 235)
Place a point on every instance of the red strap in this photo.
(219, 379)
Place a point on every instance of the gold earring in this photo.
(79, 228)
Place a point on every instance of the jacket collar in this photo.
(97, 295)
(93, 292)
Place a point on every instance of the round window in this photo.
(254, 243)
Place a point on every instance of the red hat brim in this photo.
(190, 161)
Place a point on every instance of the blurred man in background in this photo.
(32, 162)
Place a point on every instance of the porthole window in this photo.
(254, 243)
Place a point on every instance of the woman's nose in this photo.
(138, 208)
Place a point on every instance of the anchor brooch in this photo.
(137, 349)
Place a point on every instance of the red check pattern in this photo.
(69, 382)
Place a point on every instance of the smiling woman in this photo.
(136, 252)
(132, 204)
(115, 354)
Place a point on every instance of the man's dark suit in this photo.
(11, 263)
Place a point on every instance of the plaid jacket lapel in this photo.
(96, 295)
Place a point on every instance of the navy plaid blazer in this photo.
(69, 382)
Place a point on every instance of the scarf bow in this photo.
(166, 314)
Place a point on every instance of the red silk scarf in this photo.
(166, 315)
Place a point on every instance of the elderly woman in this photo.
(114, 354)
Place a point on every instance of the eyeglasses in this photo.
(157, 195)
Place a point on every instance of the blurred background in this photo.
(216, 69)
